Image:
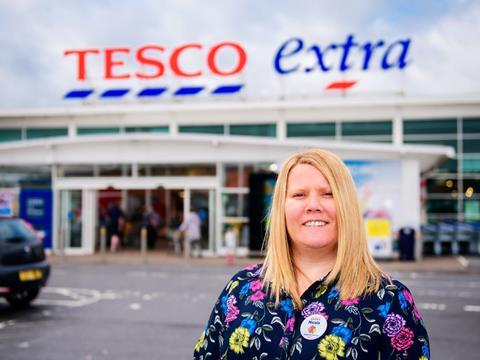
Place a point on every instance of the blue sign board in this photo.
(36, 208)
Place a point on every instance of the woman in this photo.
(319, 293)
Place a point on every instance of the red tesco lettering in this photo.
(149, 57)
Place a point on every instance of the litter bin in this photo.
(406, 243)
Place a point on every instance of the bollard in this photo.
(61, 243)
(103, 244)
(230, 244)
(143, 243)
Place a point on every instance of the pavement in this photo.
(426, 264)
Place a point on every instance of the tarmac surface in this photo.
(123, 307)
(429, 263)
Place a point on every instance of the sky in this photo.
(441, 59)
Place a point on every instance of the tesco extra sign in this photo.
(153, 61)
(156, 58)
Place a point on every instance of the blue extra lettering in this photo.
(349, 43)
(401, 59)
(284, 52)
(319, 55)
(368, 49)
(341, 56)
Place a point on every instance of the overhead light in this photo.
(273, 167)
(469, 192)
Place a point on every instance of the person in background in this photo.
(191, 228)
(151, 220)
(319, 294)
(115, 224)
(174, 234)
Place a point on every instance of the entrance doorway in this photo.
(161, 211)
(158, 203)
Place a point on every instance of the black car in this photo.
(24, 269)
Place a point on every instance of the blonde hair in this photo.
(355, 271)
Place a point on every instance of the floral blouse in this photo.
(246, 324)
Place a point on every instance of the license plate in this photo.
(30, 275)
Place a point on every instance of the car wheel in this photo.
(22, 298)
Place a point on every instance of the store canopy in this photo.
(192, 149)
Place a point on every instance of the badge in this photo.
(313, 327)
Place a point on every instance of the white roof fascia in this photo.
(189, 149)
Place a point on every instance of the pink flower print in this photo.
(231, 301)
(349, 302)
(255, 285)
(315, 307)
(251, 267)
(403, 340)
(259, 295)
(416, 313)
(232, 314)
(408, 296)
(232, 310)
(393, 324)
(290, 324)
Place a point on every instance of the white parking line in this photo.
(432, 306)
(471, 308)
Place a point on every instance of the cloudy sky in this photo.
(442, 58)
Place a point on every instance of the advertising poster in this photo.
(8, 201)
(379, 188)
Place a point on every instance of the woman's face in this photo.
(310, 210)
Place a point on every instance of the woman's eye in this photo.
(298, 195)
(328, 194)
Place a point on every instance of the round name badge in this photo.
(313, 327)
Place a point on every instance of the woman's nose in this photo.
(314, 204)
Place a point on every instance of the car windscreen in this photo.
(14, 230)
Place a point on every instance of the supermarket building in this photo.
(415, 160)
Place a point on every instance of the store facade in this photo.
(178, 155)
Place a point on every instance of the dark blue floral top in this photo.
(245, 324)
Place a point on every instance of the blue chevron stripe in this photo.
(114, 93)
(152, 92)
(188, 90)
(227, 89)
(78, 94)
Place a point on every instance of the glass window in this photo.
(38, 176)
(10, 134)
(77, 170)
(242, 231)
(311, 129)
(449, 166)
(147, 129)
(46, 132)
(471, 146)
(204, 129)
(231, 176)
(448, 206)
(471, 165)
(365, 128)
(115, 170)
(172, 170)
(442, 186)
(97, 130)
(472, 209)
(234, 205)
(245, 180)
(269, 130)
(471, 125)
(427, 126)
